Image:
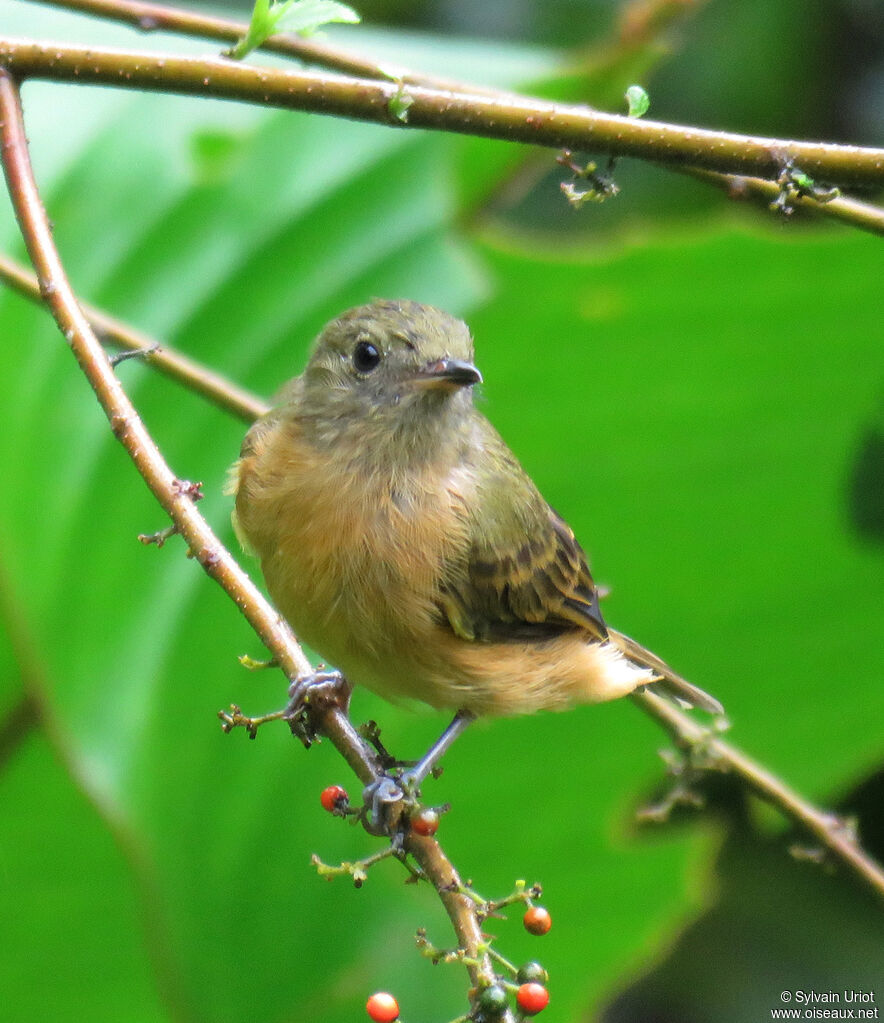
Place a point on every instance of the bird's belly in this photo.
(361, 625)
(359, 583)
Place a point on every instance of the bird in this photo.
(402, 540)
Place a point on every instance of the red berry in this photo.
(532, 998)
(537, 920)
(425, 823)
(382, 1007)
(333, 798)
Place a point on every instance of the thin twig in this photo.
(125, 422)
(221, 391)
(685, 730)
(149, 17)
(826, 828)
(179, 504)
(633, 32)
(862, 215)
(514, 119)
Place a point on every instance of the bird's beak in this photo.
(448, 374)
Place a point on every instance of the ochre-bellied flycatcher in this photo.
(402, 540)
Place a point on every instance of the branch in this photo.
(177, 499)
(635, 28)
(686, 732)
(831, 831)
(858, 214)
(173, 495)
(219, 390)
(150, 17)
(513, 119)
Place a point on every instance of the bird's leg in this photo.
(412, 778)
(388, 789)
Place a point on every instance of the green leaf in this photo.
(261, 25)
(638, 100)
(400, 103)
(306, 16)
(713, 455)
(301, 16)
(758, 886)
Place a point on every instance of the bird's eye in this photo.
(366, 357)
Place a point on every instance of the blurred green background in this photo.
(696, 386)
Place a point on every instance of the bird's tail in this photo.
(671, 683)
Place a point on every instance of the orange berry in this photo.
(382, 1007)
(425, 823)
(532, 998)
(333, 798)
(537, 920)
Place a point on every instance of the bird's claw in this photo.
(383, 793)
(324, 686)
(312, 693)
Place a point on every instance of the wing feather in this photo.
(524, 575)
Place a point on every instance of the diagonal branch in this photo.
(218, 389)
(172, 493)
(685, 731)
(862, 215)
(831, 831)
(510, 118)
(177, 498)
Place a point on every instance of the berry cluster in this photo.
(529, 986)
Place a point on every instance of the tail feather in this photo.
(670, 682)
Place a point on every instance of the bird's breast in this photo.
(353, 557)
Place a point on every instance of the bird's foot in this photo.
(393, 789)
(312, 694)
(403, 787)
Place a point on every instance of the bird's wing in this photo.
(524, 575)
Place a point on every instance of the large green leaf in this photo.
(234, 233)
(693, 405)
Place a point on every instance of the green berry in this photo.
(532, 972)
(493, 1000)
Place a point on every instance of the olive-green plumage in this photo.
(400, 537)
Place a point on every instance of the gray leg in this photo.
(388, 790)
(462, 719)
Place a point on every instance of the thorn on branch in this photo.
(308, 696)
(486, 908)
(680, 794)
(815, 854)
(686, 767)
(160, 537)
(185, 488)
(137, 353)
(371, 732)
(844, 828)
(441, 955)
(251, 664)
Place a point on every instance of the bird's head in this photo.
(397, 370)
